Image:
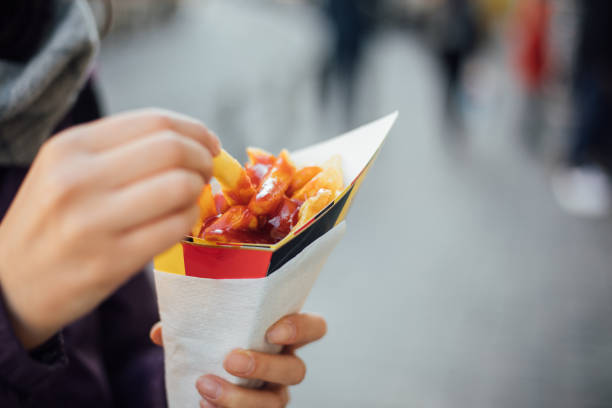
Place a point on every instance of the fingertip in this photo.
(239, 362)
(283, 332)
(156, 334)
(209, 386)
(323, 324)
(216, 144)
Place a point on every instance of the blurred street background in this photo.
(477, 271)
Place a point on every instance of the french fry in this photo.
(284, 199)
(313, 205)
(273, 185)
(221, 203)
(259, 164)
(285, 218)
(234, 181)
(257, 155)
(302, 176)
(237, 218)
(329, 179)
(208, 209)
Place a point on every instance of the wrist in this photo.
(27, 335)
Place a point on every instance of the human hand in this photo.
(99, 201)
(278, 371)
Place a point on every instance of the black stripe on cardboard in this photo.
(319, 227)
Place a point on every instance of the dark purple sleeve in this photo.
(134, 364)
(22, 371)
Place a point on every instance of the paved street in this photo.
(460, 283)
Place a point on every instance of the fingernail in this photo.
(282, 333)
(209, 387)
(240, 361)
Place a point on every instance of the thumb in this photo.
(156, 334)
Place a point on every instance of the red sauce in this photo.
(270, 214)
(273, 186)
(242, 193)
(257, 172)
(221, 203)
(284, 219)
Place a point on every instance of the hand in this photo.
(99, 201)
(278, 371)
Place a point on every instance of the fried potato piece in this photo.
(301, 177)
(257, 155)
(329, 179)
(273, 185)
(280, 223)
(233, 178)
(208, 209)
(313, 205)
(259, 164)
(237, 218)
(262, 202)
(221, 203)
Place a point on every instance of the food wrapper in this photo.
(216, 297)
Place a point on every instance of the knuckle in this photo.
(61, 184)
(160, 118)
(174, 149)
(53, 149)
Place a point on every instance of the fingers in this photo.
(297, 330)
(156, 334)
(160, 152)
(280, 370)
(145, 241)
(285, 369)
(119, 129)
(152, 198)
(220, 393)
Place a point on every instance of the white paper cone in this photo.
(204, 319)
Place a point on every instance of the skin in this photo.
(99, 201)
(278, 371)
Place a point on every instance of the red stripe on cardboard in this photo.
(225, 263)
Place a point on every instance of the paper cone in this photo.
(217, 297)
(204, 319)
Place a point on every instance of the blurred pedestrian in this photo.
(532, 59)
(351, 23)
(456, 32)
(583, 185)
